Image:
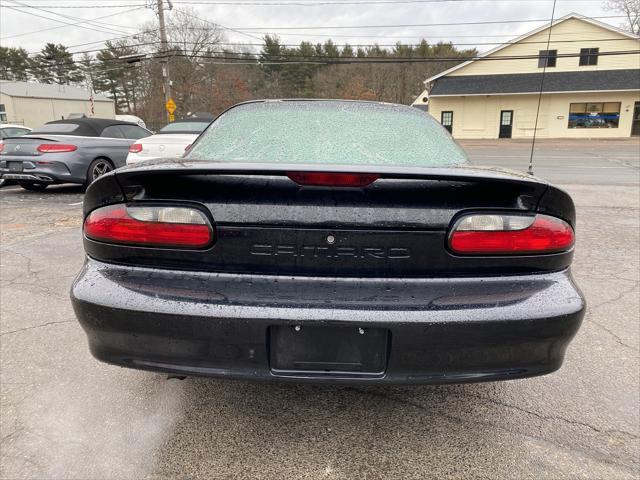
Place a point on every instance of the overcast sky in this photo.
(20, 27)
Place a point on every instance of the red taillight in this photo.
(135, 148)
(149, 226)
(1, 147)
(323, 179)
(510, 234)
(56, 148)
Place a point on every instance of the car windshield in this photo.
(328, 132)
(60, 128)
(184, 127)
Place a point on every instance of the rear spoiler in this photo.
(126, 183)
(463, 173)
(30, 137)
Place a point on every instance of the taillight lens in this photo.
(324, 179)
(135, 148)
(156, 226)
(510, 235)
(56, 148)
(1, 147)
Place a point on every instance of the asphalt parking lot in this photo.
(64, 415)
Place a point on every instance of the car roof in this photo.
(91, 127)
(192, 119)
(13, 125)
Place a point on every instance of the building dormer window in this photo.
(547, 58)
(589, 56)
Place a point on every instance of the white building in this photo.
(32, 104)
(590, 90)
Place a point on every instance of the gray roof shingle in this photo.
(592, 80)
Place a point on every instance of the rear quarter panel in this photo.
(115, 149)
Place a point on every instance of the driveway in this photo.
(64, 415)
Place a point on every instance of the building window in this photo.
(547, 58)
(3, 113)
(446, 119)
(594, 115)
(589, 56)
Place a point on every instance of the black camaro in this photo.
(328, 241)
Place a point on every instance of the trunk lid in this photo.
(24, 146)
(166, 145)
(267, 224)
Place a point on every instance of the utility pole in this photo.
(164, 60)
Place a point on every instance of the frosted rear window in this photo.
(328, 132)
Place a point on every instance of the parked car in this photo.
(67, 151)
(10, 130)
(328, 241)
(132, 119)
(171, 141)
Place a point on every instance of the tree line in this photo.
(209, 74)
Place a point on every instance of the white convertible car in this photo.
(171, 140)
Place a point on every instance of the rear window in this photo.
(326, 132)
(13, 132)
(184, 127)
(60, 128)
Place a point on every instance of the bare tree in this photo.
(192, 41)
(631, 9)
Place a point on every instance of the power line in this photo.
(391, 59)
(314, 3)
(103, 26)
(218, 25)
(62, 26)
(122, 37)
(340, 45)
(355, 45)
(324, 60)
(374, 45)
(410, 25)
(85, 7)
(419, 37)
(310, 3)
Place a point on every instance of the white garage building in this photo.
(32, 104)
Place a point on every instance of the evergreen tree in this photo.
(55, 64)
(14, 64)
(347, 51)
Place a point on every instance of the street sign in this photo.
(171, 106)
(172, 117)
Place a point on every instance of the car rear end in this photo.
(40, 159)
(375, 271)
(159, 146)
(172, 141)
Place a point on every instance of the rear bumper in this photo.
(28, 177)
(55, 172)
(440, 330)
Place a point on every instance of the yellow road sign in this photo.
(172, 117)
(171, 106)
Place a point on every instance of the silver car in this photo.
(76, 150)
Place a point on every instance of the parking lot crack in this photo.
(28, 259)
(609, 302)
(613, 334)
(554, 417)
(34, 327)
(453, 418)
